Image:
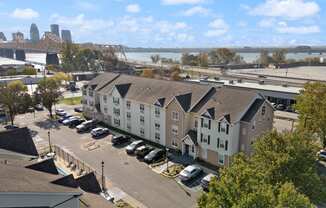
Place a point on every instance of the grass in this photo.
(122, 204)
(71, 101)
(174, 170)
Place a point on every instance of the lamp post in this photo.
(103, 178)
(167, 159)
(50, 147)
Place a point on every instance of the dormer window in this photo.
(116, 100)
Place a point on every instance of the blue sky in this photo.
(174, 23)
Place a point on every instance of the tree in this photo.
(279, 56)
(29, 71)
(149, 73)
(281, 173)
(61, 76)
(189, 59)
(49, 90)
(155, 58)
(14, 98)
(311, 105)
(224, 56)
(203, 59)
(264, 58)
(68, 57)
(175, 73)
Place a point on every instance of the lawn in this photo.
(71, 101)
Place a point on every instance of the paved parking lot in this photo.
(126, 172)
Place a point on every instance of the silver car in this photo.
(189, 172)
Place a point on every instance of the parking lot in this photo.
(128, 173)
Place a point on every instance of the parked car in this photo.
(154, 156)
(206, 180)
(290, 109)
(322, 155)
(78, 109)
(76, 122)
(9, 127)
(60, 112)
(39, 107)
(68, 120)
(117, 140)
(61, 119)
(190, 172)
(130, 149)
(143, 150)
(280, 107)
(30, 110)
(86, 126)
(99, 132)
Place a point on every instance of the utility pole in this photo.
(103, 178)
(50, 147)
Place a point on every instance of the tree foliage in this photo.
(149, 73)
(279, 56)
(69, 57)
(175, 73)
(49, 91)
(15, 98)
(311, 104)
(155, 58)
(224, 56)
(29, 71)
(281, 173)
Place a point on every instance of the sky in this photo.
(174, 23)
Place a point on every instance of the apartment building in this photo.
(202, 121)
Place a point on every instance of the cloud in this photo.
(133, 8)
(24, 13)
(217, 27)
(294, 9)
(300, 30)
(196, 10)
(176, 2)
(86, 6)
(266, 23)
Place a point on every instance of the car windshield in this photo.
(134, 144)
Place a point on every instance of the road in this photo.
(126, 172)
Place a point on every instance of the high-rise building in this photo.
(18, 37)
(2, 37)
(34, 33)
(66, 36)
(55, 29)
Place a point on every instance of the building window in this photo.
(220, 159)
(206, 124)
(201, 137)
(90, 92)
(226, 145)
(128, 104)
(84, 92)
(105, 110)
(128, 126)
(263, 110)
(174, 130)
(219, 126)
(208, 139)
(227, 128)
(142, 120)
(128, 115)
(196, 123)
(116, 122)
(116, 101)
(157, 136)
(116, 111)
(141, 108)
(174, 142)
(218, 143)
(157, 126)
(142, 131)
(157, 112)
(175, 116)
(105, 99)
(193, 149)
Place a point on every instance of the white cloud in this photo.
(218, 27)
(294, 9)
(86, 6)
(266, 23)
(133, 8)
(24, 13)
(301, 30)
(176, 2)
(196, 10)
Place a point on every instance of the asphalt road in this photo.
(126, 172)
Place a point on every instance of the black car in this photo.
(78, 109)
(76, 122)
(60, 120)
(9, 127)
(280, 107)
(154, 156)
(142, 151)
(117, 140)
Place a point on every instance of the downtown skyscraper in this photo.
(34, 33)
(55, 29)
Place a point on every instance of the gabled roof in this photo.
(184, 101)
(210, 113)
(46, 166)
(89, 183)
(251, 112)
(18, 140)
(227, 118)
(123, 89)
(101, 80)
(68, 181)
(160, 102)
(193, 136)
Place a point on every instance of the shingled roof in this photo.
(18, 140)
(101, 80)
(255, 106)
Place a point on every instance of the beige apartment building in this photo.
(202, 121)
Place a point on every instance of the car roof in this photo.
(209, 176)
(191, 168)
(137, 141)
(98, 128)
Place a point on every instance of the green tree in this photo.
(224, 56)
(14, 98)
(189, 59)
(49, 91)
(279, 56)
(264, 58)
(311, 105)
(175, 73)
(29, 71)
(155, 58)
(281, 173)
(203, 59)
(68, 57)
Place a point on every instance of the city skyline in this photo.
(175, 23)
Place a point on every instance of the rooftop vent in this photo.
(261, 82)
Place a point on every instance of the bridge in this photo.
(52, 46)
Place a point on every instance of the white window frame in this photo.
(175, 115)
(105, 99)
(116, 122)
(219, 160)
(157, 112)
(174, 130)
(116, 100)
(142, 131)
(141, 108)
(128, 115)
(142, 119)
(157, 136)
(157, 126)
(128, 104)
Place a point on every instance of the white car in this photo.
(68, 120)
(60, 112)
(191, 171)
(99, 131)
(322, 155)
(206, 180)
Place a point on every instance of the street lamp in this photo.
(103, 178)
(167, 159)
(50, 147)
